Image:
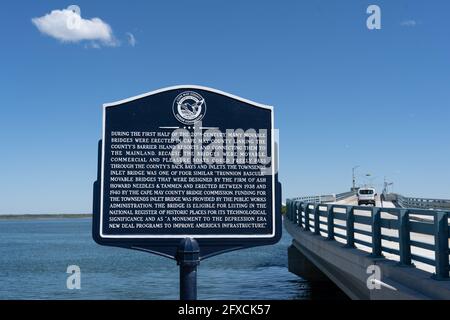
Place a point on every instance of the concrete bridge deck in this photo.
(315, 258)
(409, 247)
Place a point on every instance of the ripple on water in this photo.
(35, 255)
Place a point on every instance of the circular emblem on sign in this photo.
(189, 107)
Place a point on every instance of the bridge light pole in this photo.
(353, 177)
(387, 184)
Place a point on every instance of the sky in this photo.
(343, 95)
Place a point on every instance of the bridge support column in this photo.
(300, 265)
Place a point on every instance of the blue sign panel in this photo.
(187, 162)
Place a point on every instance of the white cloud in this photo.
(131, 39)
(409, 23)
(67, 25)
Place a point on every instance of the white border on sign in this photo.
(198, 236)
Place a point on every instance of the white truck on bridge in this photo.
(367, 196)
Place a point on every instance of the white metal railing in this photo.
(325, 198)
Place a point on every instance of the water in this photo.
(35, 254)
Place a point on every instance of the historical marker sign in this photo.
(187, 162)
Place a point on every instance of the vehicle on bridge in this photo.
(367, 196)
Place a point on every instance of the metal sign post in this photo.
(188, 259)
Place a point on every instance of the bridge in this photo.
(396, 250)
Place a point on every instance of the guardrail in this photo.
(344, 195)
(325, 198)
(317, 199)
(423, 203)
(395, 226)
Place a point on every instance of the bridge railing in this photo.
(381, 230)
(325, 198)
(423, 203)
(316, 199)
(345, 195)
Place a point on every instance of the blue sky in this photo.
(343, 95)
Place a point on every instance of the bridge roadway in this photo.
(315, 258)
(353, 201)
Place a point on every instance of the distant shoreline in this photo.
(43, 216)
